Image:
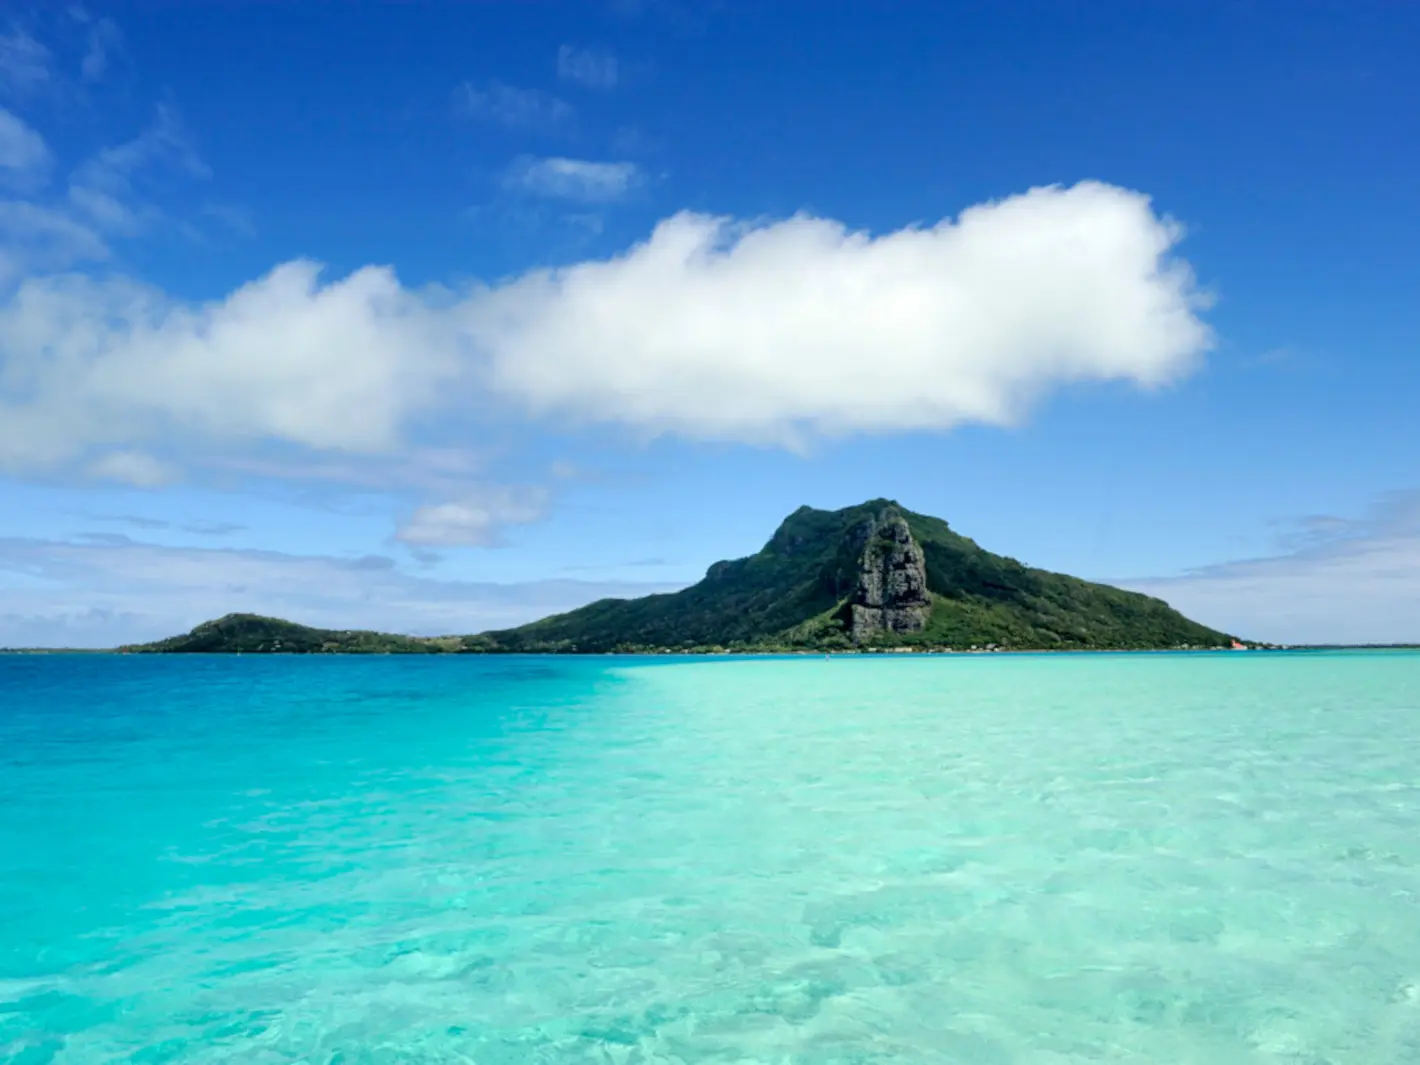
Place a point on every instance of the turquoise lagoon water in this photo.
(1042, 859)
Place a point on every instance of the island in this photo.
(870, 578)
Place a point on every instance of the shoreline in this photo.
(871, 653)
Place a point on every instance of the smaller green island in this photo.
(871, 578)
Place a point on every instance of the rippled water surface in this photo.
(1037, 859)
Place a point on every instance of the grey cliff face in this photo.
(892, 581)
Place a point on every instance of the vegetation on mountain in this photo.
(798, 593)
(253, 634)
(870, 577)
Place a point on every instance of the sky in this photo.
(439, 317)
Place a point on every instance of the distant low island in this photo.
(872, 578)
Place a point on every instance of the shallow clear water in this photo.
(1043, 859)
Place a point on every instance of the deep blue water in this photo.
(1182, 858)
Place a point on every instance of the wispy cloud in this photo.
(105, 188)
(514, 108)
(110, 213)
(24, 62)
(36, 238)
(584, 180)
(197, 528)
(119, 192)
(110, 196)
(559, 230)
(427, 471)
(164, 142)
(213, 528)
(1337, 580)
(107, 591)
(23, 154)
(587, 67)
(137, 521)
(86, 49)
(103, 44)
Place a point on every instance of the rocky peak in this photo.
(891, 593)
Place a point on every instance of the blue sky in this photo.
(436, 317)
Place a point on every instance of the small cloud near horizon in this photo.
(475, 520)
(583, 180)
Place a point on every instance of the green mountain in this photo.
(871, 577)
(253, 634)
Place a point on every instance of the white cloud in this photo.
(572, 179)
(771, 332)
(1345, 581)
(476, 520)
(108, 590)
(507, 105)
(133, 467)
(595, 70)
(339, 366)
(22, 150)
